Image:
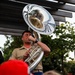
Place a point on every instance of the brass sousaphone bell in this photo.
(40, 21)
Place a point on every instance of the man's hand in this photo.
(26, 54)
(32, 38)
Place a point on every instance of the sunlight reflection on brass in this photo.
(36, 18)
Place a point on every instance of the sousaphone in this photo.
(40, 21)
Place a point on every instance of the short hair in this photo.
(25, 32)
(51, 72)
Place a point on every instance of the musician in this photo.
(29, 43)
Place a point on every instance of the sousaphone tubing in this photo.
(40, 21)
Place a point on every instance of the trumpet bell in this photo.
(38, 19)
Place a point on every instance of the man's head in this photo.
(26, 31)
(51, 72)
(14, 67)
(25, 36)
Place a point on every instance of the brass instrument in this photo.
(40, 21)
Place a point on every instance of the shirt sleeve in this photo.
(14, 54)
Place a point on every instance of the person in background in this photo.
(14, 67)
(30, 43)
(52, 72)
(1, 58)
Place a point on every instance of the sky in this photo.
(71, 20)
(2, 40)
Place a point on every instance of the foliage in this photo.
(60, 46)
(11, 43)
(70, 66)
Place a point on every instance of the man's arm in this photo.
(42, 45)
(13, 56)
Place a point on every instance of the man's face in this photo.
(25, 37)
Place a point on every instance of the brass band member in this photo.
(23, 52)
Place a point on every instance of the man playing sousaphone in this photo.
(33, 16)
(29, 44)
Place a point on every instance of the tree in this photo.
(11, 43)
(63, 42)
(70, 66)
